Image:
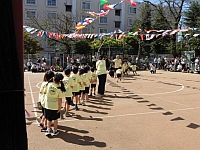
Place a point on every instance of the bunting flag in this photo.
(133, 3)
(103, 2)
(106, 9)
(143, 34)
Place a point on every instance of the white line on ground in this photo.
(32, 98)
(135, 114)
(171, 101)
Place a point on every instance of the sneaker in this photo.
(55, 132)
(94, 94)
(91, 94)
(68, 114)
(44, 129)
(76, 107)
(48, 132)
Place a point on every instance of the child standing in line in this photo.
(48, 77)
(68, 82)
(94, 81)
(119, 74)
(76, 82)
(53, 103)
(87, 76)
(82, 87)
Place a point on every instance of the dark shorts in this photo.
(93, 85)
(43, 110)
(82, 91)
(87, 89)
(51, 114)
(76, 93)
(119, 75)
(68, 99)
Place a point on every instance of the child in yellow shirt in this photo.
(93, 81)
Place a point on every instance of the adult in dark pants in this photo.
(101, 72)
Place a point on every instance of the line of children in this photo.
(51, 94)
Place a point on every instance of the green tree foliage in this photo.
(31, 45)
(82, 46)
(192, 15)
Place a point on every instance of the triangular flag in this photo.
(103, 2)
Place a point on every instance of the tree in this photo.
(171, 16)
(144, 22)
(31, 45)
(58, 23)
(192, 15)
(82, 46)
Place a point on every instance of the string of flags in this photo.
(143, 34)
(106, 9)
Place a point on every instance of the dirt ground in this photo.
(144, 112)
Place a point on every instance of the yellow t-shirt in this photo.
(87, 77)
(101, 67)
(76, 79)
(133, 67)
(42, 93)
(52, 95)
(129, 64)
(119, 71)
(68, 82)
(117, 62)
(83, 80)
(93, 78)
(124, 67)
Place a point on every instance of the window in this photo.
(117, 24)
(132, 10)
(101, 30)
(30, 2)
(69, 8)
(130, 21)
(30, 14)
(51, 15)
(103, 20)
(117, 12)
(51, 2)
(86, 5)
(101, 7)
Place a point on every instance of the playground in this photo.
(148, 111)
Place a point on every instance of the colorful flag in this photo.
(132, 2)
(103, 2)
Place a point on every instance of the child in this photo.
(153, 68)
(119, 73)
(82, 87)
(53, 103)
(87, 76)
(76, 82)
(94, 81)
(68, 82)
(112, 71)
(134, 68)
(48, 77)
(125, 68)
